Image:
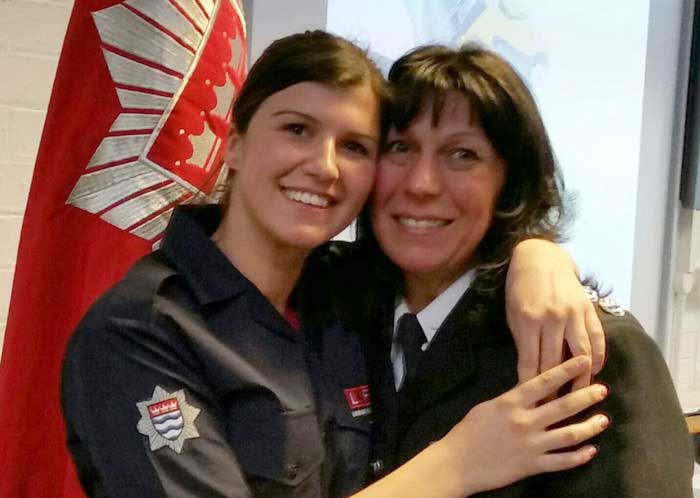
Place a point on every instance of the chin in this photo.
(417, 264)
(307, 239)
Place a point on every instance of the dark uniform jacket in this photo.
(645, 453)
(184, 381)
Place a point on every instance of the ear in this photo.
(232, 154)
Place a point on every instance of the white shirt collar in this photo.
(430, 318)
(434, 314)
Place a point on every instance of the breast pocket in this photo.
(271, 444)
(352, 444)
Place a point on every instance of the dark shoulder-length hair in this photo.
(531, 202)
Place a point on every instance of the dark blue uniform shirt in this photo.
(183, 380)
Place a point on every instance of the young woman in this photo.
(207, 372)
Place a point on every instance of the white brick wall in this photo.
(687, 375)
(31, 33)
(683, 337)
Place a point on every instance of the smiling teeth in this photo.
(414, 223)
(307, 198)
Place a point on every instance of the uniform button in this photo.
(293, 470)
(377, 466)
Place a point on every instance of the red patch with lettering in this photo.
(358, 397)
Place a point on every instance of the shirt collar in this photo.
(188, 246)
(434, 314)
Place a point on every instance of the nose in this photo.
(322, 162)
(423, 178)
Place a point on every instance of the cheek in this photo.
(385, 183)
(479, 195)
(368, 177)
(478, 211)
(359, 182)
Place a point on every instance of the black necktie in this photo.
(410, 336)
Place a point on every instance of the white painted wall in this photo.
(31, 34)
(668, 47)
(272, 19)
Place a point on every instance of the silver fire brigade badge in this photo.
(167, 419)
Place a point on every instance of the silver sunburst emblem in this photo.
(167, 419)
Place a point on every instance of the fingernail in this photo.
(601, 390)
(593, 451)
(603, 421)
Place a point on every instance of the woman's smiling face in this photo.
(436, 190)
(306, 163)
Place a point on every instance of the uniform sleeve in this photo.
(646, 452)
(140, 420)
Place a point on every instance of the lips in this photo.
(308, 198)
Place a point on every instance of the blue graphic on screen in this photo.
(454, 23)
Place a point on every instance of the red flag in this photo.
(136, 124)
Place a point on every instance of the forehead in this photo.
(307, 96)
(449, 111)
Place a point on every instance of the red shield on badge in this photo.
(167, 418)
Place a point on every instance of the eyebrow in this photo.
(296, 113)
(479, 135)
(316, 121)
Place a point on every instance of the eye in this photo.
(462, 154)
(296, 128)
(357, 148)
(397, 146)
(461, 158)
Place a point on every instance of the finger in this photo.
(569, 405)
(597, 338)
(554, 462)
(550, 381)
(581, 382)
(552, 345)
(527, 343)
(574, 434)
(577, 339)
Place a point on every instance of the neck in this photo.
(272, 268)
(421, 289)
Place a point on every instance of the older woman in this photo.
(467, 171)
